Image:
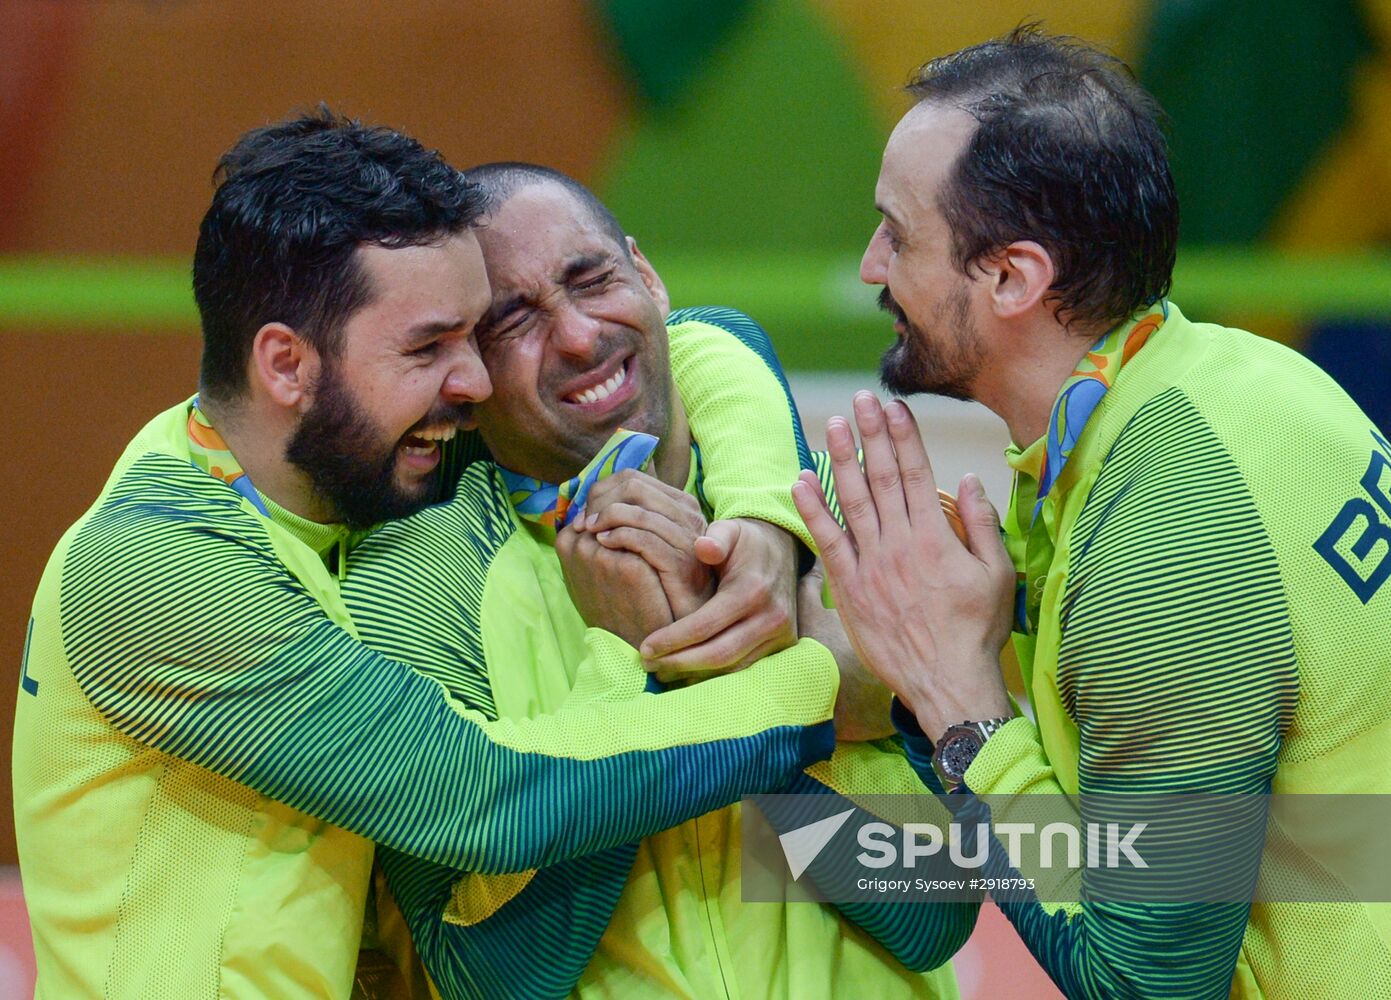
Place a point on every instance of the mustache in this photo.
(605, 347)
(890, 305)
(448, 413)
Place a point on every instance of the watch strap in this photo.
(982, 731)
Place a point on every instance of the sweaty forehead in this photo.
(537, 235)
(919, 155)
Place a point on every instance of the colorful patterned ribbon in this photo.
(1038, 467)
(211, 454)
(554, 506)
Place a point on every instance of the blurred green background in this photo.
(737, 139)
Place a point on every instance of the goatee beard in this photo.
(921, 363)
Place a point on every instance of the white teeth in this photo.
(444, 434)
(603, 390)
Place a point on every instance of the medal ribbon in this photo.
(554, 506)
(1038, 467)
(211, 454)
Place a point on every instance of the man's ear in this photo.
(650, 278)
(1019, 276)
(284, 365)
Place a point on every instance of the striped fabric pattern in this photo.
(1179, 682)
(417, 593)
(199, 643)
(464, 537)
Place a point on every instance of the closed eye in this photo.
(594, 282)
(491, 332)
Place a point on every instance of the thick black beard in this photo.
(917, 364)
(341, 450)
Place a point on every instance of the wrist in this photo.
(979, 695)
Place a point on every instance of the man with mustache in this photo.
(579, 356)
(204, 750)
(1195, 559)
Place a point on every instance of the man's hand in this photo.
(636, 513)
(753, 612)
(925, 613)
(862, 705)
(612, 590)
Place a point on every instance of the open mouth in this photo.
(609, 389)
(426, 442)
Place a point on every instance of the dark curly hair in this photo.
(293, 202)
(1068, 152)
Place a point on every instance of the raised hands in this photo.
(927, 614)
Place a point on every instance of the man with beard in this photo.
(204, 751)
(579, 357)
(1195, 558)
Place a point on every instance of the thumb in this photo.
(981, 521)
(714, 547)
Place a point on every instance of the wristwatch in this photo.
(953, 753)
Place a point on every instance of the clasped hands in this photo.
(694, 598)
(925, 613)
(701, 599)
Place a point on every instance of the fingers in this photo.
(881, 464)
(836, 548)
(720, 537)
(660, 554)
(733, 647)
(856, 503)
(919, 484)
(718, 614)
(640, 490)
(982, 526)
(681, 536)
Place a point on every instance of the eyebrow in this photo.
(885, 212)
(572, 270)
(500, 309)
(423, 333)
(580, 265)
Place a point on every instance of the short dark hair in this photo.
(1069, 151)
(294, 201)
(500, 181)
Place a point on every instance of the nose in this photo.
(874, 265)
(467, 380)
(574, 332)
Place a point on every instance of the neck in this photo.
(257, 437)
(671, 463)
(1022, 386)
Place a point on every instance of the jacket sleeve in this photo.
(1177, 666)
(922, 936)
(188, 634)
(742, 416)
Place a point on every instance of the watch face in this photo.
(958, 752)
